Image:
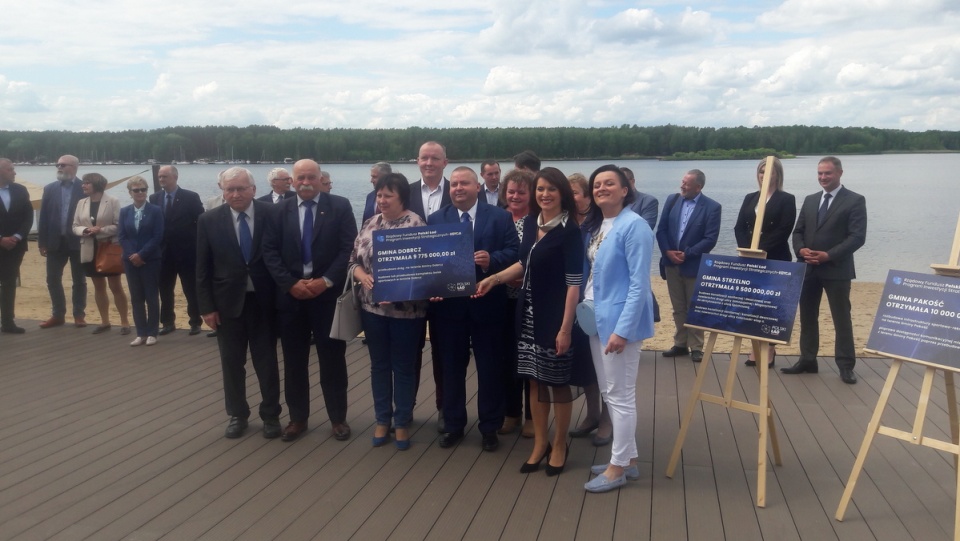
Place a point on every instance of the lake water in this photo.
(908, 227)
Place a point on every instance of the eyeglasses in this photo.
(62, 165)
(138, 190)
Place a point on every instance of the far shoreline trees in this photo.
(271, 144)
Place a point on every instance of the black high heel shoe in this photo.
(557, 470)
(530, 468)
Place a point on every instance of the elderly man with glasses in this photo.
(58, 243)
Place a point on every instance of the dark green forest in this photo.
(271, 144)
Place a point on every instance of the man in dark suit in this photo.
(462, 321)
(310, 270)
(645, 205)
(379, 170)
(16, 219)
(181, 208)
(237, 298)
(689, 228)
(428, 195)
(490, 171)
(59, 245)
(279, 179)
(831, 227)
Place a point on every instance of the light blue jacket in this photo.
(621, 280)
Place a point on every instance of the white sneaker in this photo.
(137, 341)
(151, 340)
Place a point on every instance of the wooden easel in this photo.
(761, 352)
(915, 436)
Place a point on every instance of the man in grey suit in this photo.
(831, 227)
(59, 245)
(645, 205)
(237, 298)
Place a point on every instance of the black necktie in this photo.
(822, 213)
(246, 239)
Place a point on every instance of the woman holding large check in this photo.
(392, 329)
(551, 264)
(619, 249)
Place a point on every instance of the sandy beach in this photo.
(33, 303)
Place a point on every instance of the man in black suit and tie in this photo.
(279, 179)
(306, 249)
(237, 298)
(59, 245)
(181, 208)
(428, 195)
(16, 219)
(462, 322)
(831, 227)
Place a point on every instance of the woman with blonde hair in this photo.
(94, 221)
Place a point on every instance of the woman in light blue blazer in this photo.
(619, 249)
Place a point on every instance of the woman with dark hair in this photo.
(551, 264)
(597, 418)
(619, 250)
(778, 219)
(141, 233)
(95, 220)
(392, 329)
(515, 193)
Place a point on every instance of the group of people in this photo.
(573, 257)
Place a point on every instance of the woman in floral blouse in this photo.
(392, 329)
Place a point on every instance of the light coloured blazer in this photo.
(108, 216)
(621, 280)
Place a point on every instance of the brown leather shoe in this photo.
(293, 431)
(527, 431)
(80, 323)
(52, 322)
(341, 431)
(509, 425)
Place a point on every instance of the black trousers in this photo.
(9, 271)
(173, 265)
(254, 329)
(838, 296)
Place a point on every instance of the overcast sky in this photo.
(132, 64)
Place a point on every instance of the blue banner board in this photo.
(416, 263)
(747, 296)
(919, 318)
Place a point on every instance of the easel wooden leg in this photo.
(872, 429)
(952, 409)
(764, 423)
(691, 403)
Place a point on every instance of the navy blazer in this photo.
(334, 230)
(495, 233)
(778, 219)
(843, 232)
(49, 226)
(18, 218)
(416, 199)
(269, 197)
(370, 206)
(222, 272)
(700, 236)
(148, 240)
(647, 207)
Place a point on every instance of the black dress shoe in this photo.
(802, 366)
(12, 329)
(696, 356)
(449, 439)
(212, 334)
(490, 442)
(166, 329)
(271, 428)
(194, 329)
(236, 427)
(847, 376)
(676, 351)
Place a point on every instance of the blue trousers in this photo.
(144, 296)
(393, 344)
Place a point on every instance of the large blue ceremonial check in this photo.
(417, 263)
(747, 296)
(919, 318)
